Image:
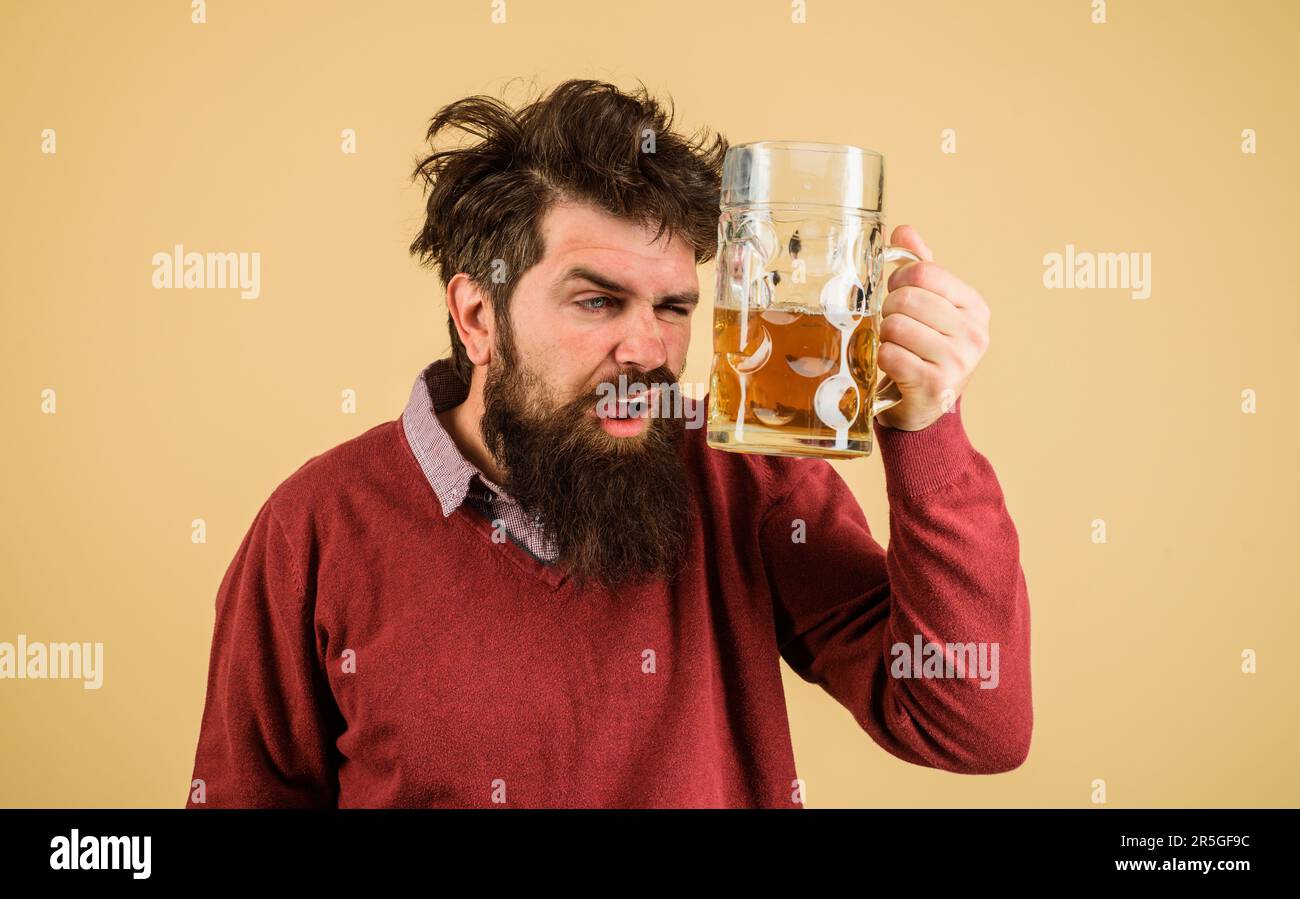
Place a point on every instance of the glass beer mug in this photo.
(801, 251)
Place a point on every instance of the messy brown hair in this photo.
(584, 141)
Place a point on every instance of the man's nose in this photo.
(642, 344)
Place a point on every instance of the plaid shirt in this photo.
(453, 477)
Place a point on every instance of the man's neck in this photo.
(461, 422)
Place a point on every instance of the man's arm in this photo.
(266, 737)
(951, 575)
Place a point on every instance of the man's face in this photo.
(577, 332)
(603, 301)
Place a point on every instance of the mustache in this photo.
(661, 377)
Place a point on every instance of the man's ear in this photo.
(471, 310)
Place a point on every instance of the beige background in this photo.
(175, 405)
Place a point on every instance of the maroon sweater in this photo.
(368, 651)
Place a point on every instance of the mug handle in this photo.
(887, 394)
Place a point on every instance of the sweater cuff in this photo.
(920, 462)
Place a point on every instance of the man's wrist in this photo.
(920, 462)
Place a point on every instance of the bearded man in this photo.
(534, 588)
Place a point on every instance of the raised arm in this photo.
(850, 614)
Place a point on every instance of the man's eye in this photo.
(609, 302)
(583, 303)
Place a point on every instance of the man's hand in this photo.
(933, 332)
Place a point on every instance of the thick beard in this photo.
(617, 510)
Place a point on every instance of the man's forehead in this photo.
(579, 235)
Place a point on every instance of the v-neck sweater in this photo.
(369, 651)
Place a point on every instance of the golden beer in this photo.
(766, 392)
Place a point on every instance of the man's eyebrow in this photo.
(581, 273)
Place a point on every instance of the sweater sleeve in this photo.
(845, 608)
(264, 740)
